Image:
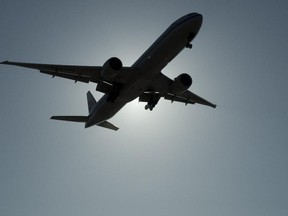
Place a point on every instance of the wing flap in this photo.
(75, 72)
(163, 85)
(76, 78)
(173, 98)
(189, 97)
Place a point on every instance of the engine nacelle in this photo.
(181, 83)
(111, 68)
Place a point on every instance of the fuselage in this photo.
(178, 35)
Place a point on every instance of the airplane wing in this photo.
(163, 86)
(74, 72)
(188, 97)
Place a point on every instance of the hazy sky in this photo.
(176, 160)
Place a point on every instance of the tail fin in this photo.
(91, 104)
(71, 118)
(91, 101)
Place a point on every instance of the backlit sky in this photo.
(176, 160)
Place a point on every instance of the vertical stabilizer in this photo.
(91, 101)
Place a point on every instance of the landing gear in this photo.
(189, 45)
(190, 38)
(149, 107)
(153, 100)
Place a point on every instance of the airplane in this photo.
(143, 80)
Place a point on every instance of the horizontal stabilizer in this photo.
(71, 118)
(108, 125)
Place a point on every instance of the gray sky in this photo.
(176, 160)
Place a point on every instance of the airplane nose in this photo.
(197, 20)
(198, 17)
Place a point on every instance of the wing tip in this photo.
(4, 62)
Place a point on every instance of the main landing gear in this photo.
(152, 102)
(189, 45)
(149, 106)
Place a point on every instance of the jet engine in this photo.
(181, 83)
(111, 68)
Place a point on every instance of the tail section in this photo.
(108, 125)
(85, 119)
(91, 101)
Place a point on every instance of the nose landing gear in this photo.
(189, 45)
(190, 38)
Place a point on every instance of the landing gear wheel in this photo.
(188, 45)
(190, 38)
(149, 107)
(152, 101)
